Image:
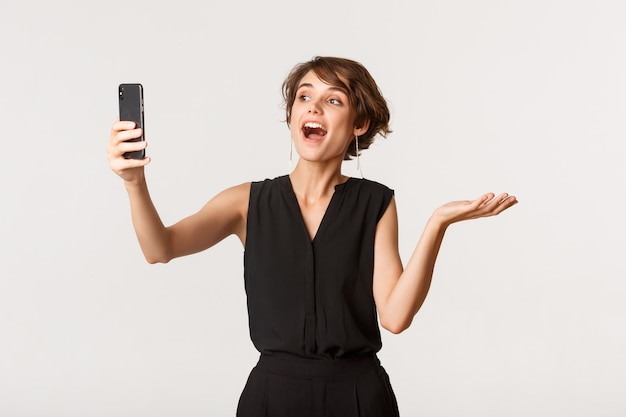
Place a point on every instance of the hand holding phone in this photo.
(131, 109)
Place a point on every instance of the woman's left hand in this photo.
(485, 206)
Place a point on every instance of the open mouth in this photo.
(313, 130)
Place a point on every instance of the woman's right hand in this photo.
(130, 170)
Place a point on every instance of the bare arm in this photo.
(222, 216)
(399, 293)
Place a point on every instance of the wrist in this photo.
(437, 222)
(135, 184)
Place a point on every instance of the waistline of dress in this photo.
(295, 366)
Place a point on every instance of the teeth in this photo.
(313, 125)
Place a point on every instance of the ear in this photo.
(358, 131)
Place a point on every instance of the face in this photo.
(322, 121)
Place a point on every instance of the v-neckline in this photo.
(322, 224)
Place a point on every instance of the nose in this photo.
(314, 107)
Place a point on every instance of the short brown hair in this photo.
(365, 97)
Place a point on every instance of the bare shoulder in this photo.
(237, 191)
(234, 198)
(230, 208)
(223, 215)
(389, 220)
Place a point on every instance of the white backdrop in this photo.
(526, 315)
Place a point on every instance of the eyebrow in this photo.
(309, 85)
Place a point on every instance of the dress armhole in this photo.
(387, 196)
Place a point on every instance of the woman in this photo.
(322, 265)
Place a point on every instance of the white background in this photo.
(526, 315)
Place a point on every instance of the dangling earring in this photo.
(290, 153)
(358, 156)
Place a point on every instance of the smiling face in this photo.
(322, 121)
(369, 108)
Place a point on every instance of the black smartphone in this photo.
(131, 108)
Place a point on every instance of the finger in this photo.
(124, 135)
(132, 146)
(121, 164)
(499, 199)
(124, 147)
(483, 200)
(117, 150)
(122, 125)
(506, 203)
(139, 162)
(501, 203)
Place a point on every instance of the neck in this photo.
(312, 180)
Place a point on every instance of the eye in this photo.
(304, 97)
(335, 101)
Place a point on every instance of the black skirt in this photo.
(286, 386)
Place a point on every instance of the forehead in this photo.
(312, 80)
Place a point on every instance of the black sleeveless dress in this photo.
(311, 307)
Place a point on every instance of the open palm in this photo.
(485, 206)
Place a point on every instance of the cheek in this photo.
(292, 126)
